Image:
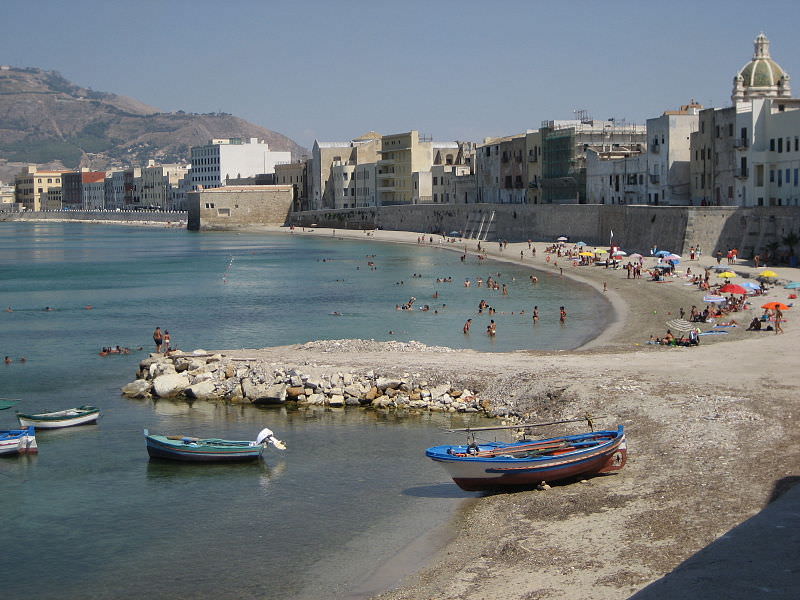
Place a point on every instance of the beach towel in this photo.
(714, 333)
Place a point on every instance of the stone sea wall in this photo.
(203, 376)
(123, 216)
(635, 227)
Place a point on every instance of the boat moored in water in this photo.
(18, 441)
(82, 415)
(192, 449)
(497, 465)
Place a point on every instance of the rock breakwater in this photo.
(212, 376)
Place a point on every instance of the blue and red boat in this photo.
(497, 465)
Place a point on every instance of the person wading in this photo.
(158, 339)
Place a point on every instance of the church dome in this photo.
(762, 76)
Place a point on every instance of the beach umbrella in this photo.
(619, 253)
(774, 305)
(792, 285)
(585, 253)
(751, 285)
(726, 274)
(663, 267)
(454, 234)
(672, 257)
(768, 274)
(600, 251)
(635, 255)
(732, 288)
(662, 253)
(719, 268)
(563, 238)
(581, 244)
(711, 299)
(681, 325)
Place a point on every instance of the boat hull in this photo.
(167, 449)
(18, 441)
(26, 420)
(496, 472)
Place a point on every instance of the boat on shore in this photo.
(82, 415)
(192, 449)
(18, 441)
(496, 465)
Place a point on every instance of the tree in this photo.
(791, 240)
(772, 251)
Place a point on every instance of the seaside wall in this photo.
(231, 207)
(124, 216)
(635, 227)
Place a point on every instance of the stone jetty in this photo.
(201, 375)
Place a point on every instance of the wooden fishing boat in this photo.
(18, 441)
(494, 465)
(192, 449)
(82, 415)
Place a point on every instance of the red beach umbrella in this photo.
(732, 288)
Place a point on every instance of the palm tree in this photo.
(772, 251)
(791, 239)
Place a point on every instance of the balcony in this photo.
(533, 158)
(655, 148)
(741, 143)
(741, 173)
(655, 178)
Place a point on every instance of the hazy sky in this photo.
(454, 70)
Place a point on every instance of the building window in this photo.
(780, 144)
(772, 145)
(772, 175)
(730, 130)
(795, 177)
(435, 181)
(717, 131)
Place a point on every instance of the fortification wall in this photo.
(636, 228)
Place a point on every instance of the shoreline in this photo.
(688, 412)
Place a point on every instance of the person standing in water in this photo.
(166, 342)
(563, 315)
(467, 325)
(535, 315)
(158, 339)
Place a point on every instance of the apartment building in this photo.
(83, 190)
(158, 181)
(295, 175)
(31, 186)
(501, 170)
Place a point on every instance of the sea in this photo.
(346, 511)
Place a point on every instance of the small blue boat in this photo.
(192, 449)
(18, 441)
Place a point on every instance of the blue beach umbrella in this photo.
(750, 285)
(793, 285)
(662, 253)
(581, 244)
(714, 299)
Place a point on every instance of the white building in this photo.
(616, 176)
(232, 158)
(115, 189)
(668, 155)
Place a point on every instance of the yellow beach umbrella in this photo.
(585, 253)
(601, 251)
(768, 274)
(727, 275)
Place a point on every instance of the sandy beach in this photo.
(703, 426)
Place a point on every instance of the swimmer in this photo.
(7, 360)
(88, 307)
(336, 313)
(9, 309)
(467, 325)
(22, 359)
(535, 314)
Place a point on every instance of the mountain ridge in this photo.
(47, 120)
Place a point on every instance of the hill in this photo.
(46, 119)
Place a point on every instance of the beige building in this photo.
(294, 174)
(402, 155)
(31, 187)
(533, 153)
(158, 182)
(230, 207)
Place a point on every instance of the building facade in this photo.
(83, 190)
(232, 158)
(31, 187)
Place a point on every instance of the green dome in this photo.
(762, 72)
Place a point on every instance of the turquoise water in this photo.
(91, 517)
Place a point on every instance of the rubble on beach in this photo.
(212, 376)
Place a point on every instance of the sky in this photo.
(461, 70)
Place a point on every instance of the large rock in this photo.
(137, 389)
(387, 383)
(170, 385)
(261, 393)
(336, 400)
(202, 391)
(295, 392)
